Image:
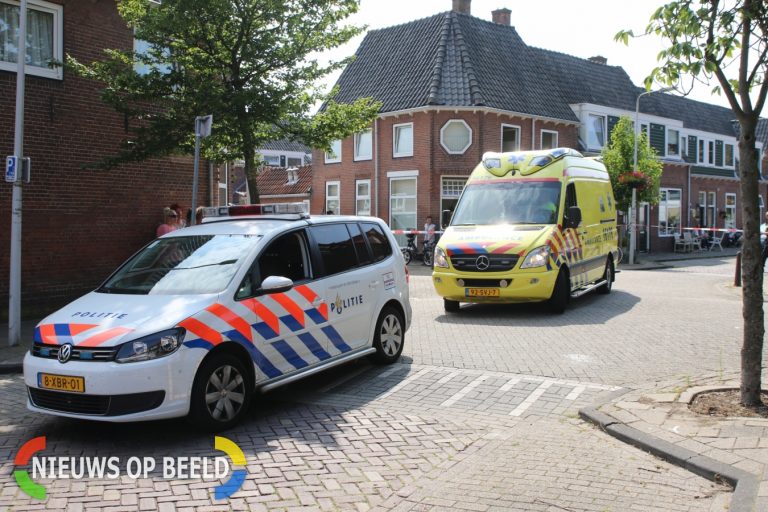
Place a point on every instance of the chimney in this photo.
(598, 59)
(462, 6)
(501, 16)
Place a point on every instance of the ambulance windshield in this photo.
(182, 265)
(508, 202)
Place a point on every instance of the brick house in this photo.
(454, 86)
(78, 223)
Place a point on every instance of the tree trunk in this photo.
(251, 172)
(751, 268)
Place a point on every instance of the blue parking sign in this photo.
(11, 169)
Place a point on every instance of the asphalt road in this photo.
(480, 414)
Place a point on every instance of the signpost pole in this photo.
(202, 129)
(14, 287)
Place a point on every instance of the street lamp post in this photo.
(633, 207)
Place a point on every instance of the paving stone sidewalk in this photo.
(657, 418)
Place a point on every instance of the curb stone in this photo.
(746, 485)
(8, 368)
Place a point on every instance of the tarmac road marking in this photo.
(461, 394)
(575, 392)
(520, 409)
(405, 382)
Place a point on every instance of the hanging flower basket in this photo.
(635, 179)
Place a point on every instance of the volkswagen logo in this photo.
(65, 352)
(482, 262)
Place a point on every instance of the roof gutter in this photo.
(489, 110)
(278, 196)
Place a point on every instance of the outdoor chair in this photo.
(717, 241)
(692, 241)
(680, 244)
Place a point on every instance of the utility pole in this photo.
(14, 288)
(202, 129)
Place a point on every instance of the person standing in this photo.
(170, 222)
(429, 234)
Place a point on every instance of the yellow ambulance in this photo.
(531, 226)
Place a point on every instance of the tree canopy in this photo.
(724, 43)
(618, 157)
(250, 63)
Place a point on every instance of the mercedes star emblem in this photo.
(482, 262)
(65, 352)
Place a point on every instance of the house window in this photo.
(683, 147)
(673, 143)
(402, 140)
(701, 151)
(711, 209)
(730, 211)
(548, 139)
(450, 190)
(332, 198)
(334, 155)
(402, 205)
(729, 155)
(293, 176)
(510, 138)
(363, 197)
(363, 145)
(273, 160)
(670, 209)
(702, 211)
(44, 37)
(595, 131)
(711, 154)
(456, 136)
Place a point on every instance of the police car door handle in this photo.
(373, 284)
(318, 302)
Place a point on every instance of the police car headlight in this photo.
(440, 258)
(536, 258)
(151, 347)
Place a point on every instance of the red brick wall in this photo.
(429, 157)
(79, 224)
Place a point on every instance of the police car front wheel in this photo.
(389, 337)
(221, 393)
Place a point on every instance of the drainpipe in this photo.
(533, 134)
(376, 167)
(688, 215)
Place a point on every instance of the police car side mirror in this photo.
(275, 284)
(573, 219)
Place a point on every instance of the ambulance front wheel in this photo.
(561, 294)
(451, 306)
(608, 278)
(221, 393)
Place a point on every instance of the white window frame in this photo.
(667, 232)
(337, 198)
(518, 130)
(57, 72)
(469, 138)
(711, 152)
(331, 157)
(683, 145)
(712, 208)
(679, 138)
(362, 197)
(589, 130)
(732, 209)
(357, 157)
(395, 128)
(553, 132)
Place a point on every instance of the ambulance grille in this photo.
(496, 262)
(78, 353)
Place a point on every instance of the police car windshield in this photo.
(182, 265)
(508, 202)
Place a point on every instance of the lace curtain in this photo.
(39, 35)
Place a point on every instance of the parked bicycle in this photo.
(411, 251)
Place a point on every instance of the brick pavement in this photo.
(438, 432)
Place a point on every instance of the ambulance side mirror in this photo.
(275, 284)
(445, 220)
(573, 218)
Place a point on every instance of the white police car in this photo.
(201, 318)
